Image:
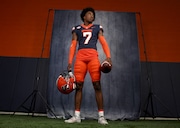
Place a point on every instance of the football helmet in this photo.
(66, 82)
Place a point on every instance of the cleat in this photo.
(73, 119)
(102, 121)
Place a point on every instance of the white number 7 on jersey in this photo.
(88, 36)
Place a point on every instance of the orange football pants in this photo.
(81, 67)
(86, 62)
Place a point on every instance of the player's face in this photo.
(89, 17)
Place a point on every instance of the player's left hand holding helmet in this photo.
(66, 82)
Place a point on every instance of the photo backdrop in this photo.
(121, 87)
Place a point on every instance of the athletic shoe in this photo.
(73, 119)
(102, 120)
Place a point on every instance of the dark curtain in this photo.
(121, 87)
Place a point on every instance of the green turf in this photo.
(19, 121)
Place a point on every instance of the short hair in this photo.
(85, 10)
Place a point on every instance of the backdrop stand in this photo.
(36, 91)
(173, 92)
(151, 94)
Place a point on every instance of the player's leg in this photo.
(78, 95)
(98, 95)
(80, 70)
(95, 73)
(94, 70)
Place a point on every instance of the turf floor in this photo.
(21, 121)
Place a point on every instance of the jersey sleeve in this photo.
(73, 29)
(101, 28)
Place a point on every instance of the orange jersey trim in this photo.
(86, 27)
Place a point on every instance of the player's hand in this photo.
(69, 67)
(109, 60)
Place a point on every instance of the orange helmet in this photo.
(66, 83)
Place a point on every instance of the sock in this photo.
(77, 113)
(101, 113)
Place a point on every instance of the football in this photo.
(106, 67)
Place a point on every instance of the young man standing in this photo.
(86, 36)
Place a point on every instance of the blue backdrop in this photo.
(121, 87)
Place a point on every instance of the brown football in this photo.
(106, 67)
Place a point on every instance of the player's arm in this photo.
(72, 50)
(105, 46)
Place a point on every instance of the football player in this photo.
(86, 36)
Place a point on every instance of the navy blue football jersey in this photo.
(87, 35)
